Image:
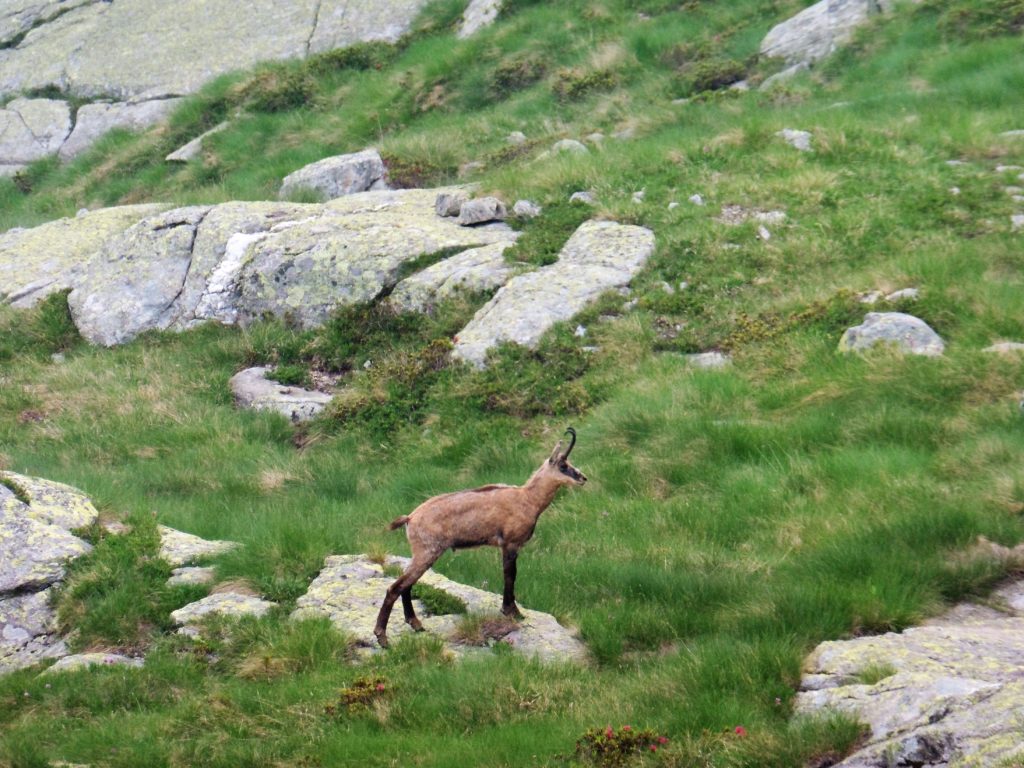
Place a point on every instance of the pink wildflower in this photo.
(740, 730)
(380, 686)
(626, 728)
(654, 748)
(608, 732)
(662, 740)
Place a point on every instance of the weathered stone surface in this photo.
(600, 256)
(80, 662)
(475, 270)
(479, 14)
(906, 333)
(252, 389)
(570, 146)
(28, 631)
(481, 211)
(583, 196)
(33, 554)
(1006, 348)
(31, 129)
(92, 121)
(797, 139)
(191, 575)
(450, 203)
(816, 32)
(953, 696)
(132, 285)
(527, 209)
(221, 604)
(350, 588)
(337, 176)
(19, 16)
(36, 262)
(52, 503)
(109, 48)
(179, 548)
(191, 149)
(709, 360)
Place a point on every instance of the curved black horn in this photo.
(572, 432)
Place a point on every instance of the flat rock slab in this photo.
(31, 129)
(192, 149)
(33, 554)
(92, 121)
(817, 31)
(350, 588)
(52, 503)
(953, 697)
(179, 548)
(338, 176)
(227, 604)
(80, 662)
(192, 576)
(599, 257)
(709, 360)
(28, 631)
(252, 389)
(472, 271)
(903, 332)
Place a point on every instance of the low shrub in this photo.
(575, 83)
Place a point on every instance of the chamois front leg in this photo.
(508, 602)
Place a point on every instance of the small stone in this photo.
(81, 212)
(594, 138)
(673, 205)
(191, 576)
(516, 138)
(478, 14)
(570, 146)
(481, 210)
(787, 74)
(448, 204)
(956, 163)
(683, 285)
(253, 388)
(582, 197)
(696, 199)
(179, 548)
(468, 169)
(526, 209)
(580, 332)
(911, 294)
(1013, 190)
(1017, 221)
(954, 191)
(906, 333)
(338, 176)
(667, 288)
(1008, 168)
(625, 134)
(638, 197)
(1014, 134)
(797, 139)
(709, 360)
(57, 357)
(763, 233)
(741, 86)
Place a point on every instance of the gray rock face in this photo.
(450, 203)
(92, 121)
(82, 661)
(19, 16)
(191, 150)
(527, 209)
(28, 631)
(570, 146)
(906, 333)
(191, 575)
(481, 211)
(814, 33)
(150, 48)
(338, 176)
(479, 14)
(599, 257)
(950, 693)
(221, 604)
(33, 554)
(31, 129)
(179, 548)
(473, 271)
(252, 389)
(350, 588)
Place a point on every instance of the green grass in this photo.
(733, 518)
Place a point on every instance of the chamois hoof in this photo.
(382, 637)
(416, 625)
(513, 613)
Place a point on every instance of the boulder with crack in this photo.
(93, 121)
(599, 257)
(31, 129)
(350, 588)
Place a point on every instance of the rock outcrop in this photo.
(230, 604)
(950, 693)
(252, 389)
(817, 31)
(350, 588)
(338, 176)
(473, 271)
(599, 257)
(31, 129)
(900, 331)
(179, 548)
(92, 121)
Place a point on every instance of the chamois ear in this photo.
(556, 454)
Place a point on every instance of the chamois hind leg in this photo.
(412, 574)
(410, 613)
(508, 601)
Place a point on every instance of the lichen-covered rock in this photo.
(450, 203)
(797, 139)
(952, 696)
(52, 503)
(817, 31)
(39, 261)
(252, 389)
(80, 662)
(152, 48)
(350, 588)
(19, 16)
(191, 576)
(92, 121)
(179, 548)
(31, 129)
(191, 149)
(132, 285)
(904, 332)
(228, 604)
(33, 554)
(473, 271)
(527, 209)
(338, 176)
(28, 631)
(479, 14)
(481, 210)
(600, 256)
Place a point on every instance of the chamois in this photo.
(494, 515)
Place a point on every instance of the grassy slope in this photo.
(734, 518)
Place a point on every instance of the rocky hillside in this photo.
(287, 273)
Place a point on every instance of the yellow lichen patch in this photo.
(54, 503)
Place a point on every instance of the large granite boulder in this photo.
(897, 330)
(817, 31)
(39, 261)
(350, 588)
(338, 176)
(147, 49)
(599, 257)
(92, 121)
(31, 129)
(946, 694)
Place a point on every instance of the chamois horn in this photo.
(572, 432)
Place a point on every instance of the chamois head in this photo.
(558, 465)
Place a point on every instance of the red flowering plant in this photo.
(610, 748)
(363, 692)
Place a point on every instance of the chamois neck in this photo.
(541, 489)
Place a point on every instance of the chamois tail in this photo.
(398, 522)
